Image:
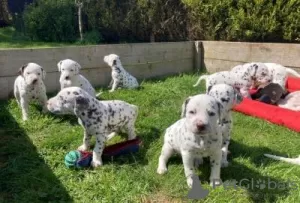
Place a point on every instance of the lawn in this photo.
(9, 38)
(32, 154)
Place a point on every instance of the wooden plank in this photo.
(100, 77)
(92, 56)
(285, 54)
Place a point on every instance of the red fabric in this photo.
(274, 114)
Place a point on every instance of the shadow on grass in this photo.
(24, 175)
(261, 188)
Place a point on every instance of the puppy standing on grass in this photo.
(228, 96)
(120, 77)
(100, 118)
(70, 76)
(28, 86)
(195, 135)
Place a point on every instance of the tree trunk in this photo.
(80, 21)
(5, 17)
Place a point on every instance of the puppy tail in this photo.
(288, 160)
(203, 77)
(99, 94)
(292, 72)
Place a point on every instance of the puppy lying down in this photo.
(274, 94)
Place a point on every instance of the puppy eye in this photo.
(39, 74)
(192, 112)
(62, 69)
(72, 70)
(263, 74)
(28, 73)
(210, 113)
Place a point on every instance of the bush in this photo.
(51, 20)
(244, 20)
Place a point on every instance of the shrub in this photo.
(244, 20)
(51, 20)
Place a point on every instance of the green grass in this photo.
(9, 39)
(32, 154)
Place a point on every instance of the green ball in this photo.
(71, 159)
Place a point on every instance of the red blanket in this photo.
(274, 114)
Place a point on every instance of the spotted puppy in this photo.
(70, 76)
(195, 135)
(120, 77)
(29, 86)
(241, 77)
(279, 74)
(99, 118)
(228, 96)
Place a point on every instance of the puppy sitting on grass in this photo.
(70, 77)
(120, 77)
(28, 86)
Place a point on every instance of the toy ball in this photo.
(78, 159)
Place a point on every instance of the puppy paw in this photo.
(83, 147)
(215, 183)
(111, 91)
(162, 170)
(189, 182)
(96, 163)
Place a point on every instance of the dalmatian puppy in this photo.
(228, 96)
(100, 118)
(70, 76)
(195, 135)
(280, 74)
(29, 86)
(120, 77)
(241, 77)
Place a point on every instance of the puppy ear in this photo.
(77, 67)
(253, 71)
(220, 110)
(43, 73)
(237, 96)
(59, 65)
(183, 107)
(21, 70)
(208, 89)
(81, 102)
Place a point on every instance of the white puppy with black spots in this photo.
(28, 86)
(195, 135)
(70, 76)
(120, 77)
(241, 77)
(279, 74)
(228, 96)
(100, 118)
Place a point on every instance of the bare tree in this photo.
(79, 4)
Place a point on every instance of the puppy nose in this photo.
(67, 78)
(34, 81)
(200, 126)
